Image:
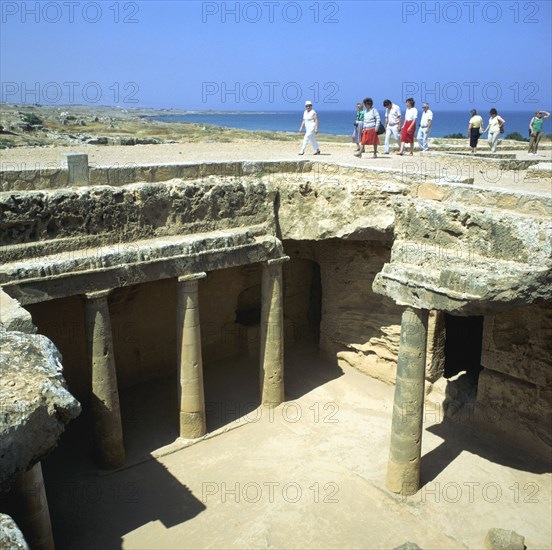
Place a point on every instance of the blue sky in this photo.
(271, 55)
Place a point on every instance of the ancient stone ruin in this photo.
(116, 277)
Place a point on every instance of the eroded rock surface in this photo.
(467, 260)
(11, 538)
(36, 405)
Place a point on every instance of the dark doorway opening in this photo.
(302, 304)
(464, 339)
(314, 313)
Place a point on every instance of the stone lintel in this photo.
(41, 289)
(192, 277)
(98, 294)
(277, 261)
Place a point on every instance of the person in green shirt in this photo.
(535, 131)
(358, 126)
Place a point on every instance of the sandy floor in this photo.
(432, 163)
(308, 475)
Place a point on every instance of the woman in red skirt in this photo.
(371, 124)
(409, 127)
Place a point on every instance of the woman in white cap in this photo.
(310, 122)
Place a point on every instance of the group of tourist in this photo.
(476, 130)
(368, 127)
(495, 127)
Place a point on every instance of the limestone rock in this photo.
(98, 141)
(358, 327)
(467, 260)
(11, 538)
(518, 343)
(36, 404)
(503, 539)
(321, 206)
(86, 216)
(541, 170)
(516, 410)
(13, 316)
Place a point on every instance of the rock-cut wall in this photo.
(514, 394)
(358, 327)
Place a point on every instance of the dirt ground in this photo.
(309, 474)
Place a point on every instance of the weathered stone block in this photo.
(36, 405)
(519, 411)
(503, 539)
(519, 343)
(11, 537)
(13, 316)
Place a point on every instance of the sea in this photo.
(341, 122)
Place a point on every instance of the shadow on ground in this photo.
(91, 508)
(144, 491)
(460, 433)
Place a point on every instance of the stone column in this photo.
(190, 388)
(403, 472)
(272, 333)
(77, 165)
(106, 411)
(30, 497)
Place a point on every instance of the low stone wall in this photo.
(56, 177)
(522, 203)
(45, 222)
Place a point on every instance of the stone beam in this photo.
(114, 266)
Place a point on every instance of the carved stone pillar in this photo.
(30, 497)
(403, 473)
(108, 431)
(272, 333)
(190, 388)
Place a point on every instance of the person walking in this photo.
(495, 128)
(535, 129)
(425, 125)
(310, 123)
(393, 119)
(358, 126)
(475, 129)
(409, 127)
(371, 124)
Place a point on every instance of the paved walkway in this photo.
(485, 173)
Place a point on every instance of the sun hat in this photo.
(308, 103)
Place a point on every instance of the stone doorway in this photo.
(463, 345)
(464, 339)
(302, 304)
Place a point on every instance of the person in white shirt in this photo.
(310, 122)
(425, 124)
(409, 126)
(495, 128)
(393, 119)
